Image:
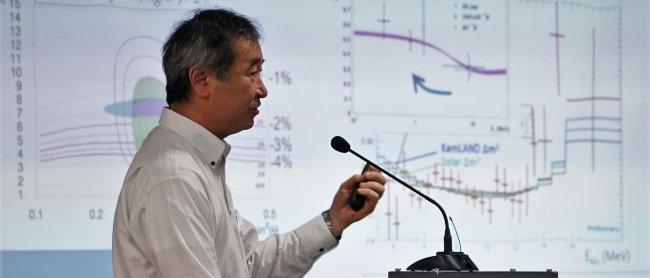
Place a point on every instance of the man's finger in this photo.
(372, 198)
(375, 176)
(340, 200)
(352, 181)
(370, 194)
(374, 186)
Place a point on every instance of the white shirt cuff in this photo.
(316, 238)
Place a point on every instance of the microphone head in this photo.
(339, 144)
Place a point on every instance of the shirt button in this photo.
(213, 163)
(321, 250)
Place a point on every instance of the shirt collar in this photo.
(211, 147)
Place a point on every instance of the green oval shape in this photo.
(147, 88)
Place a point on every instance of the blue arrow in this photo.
(418, 81)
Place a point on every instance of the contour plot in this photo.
(97, 92)
(428, 59)
(96, 123)
(562, 141)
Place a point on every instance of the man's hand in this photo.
(371, 185)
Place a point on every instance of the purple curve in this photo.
(148, 107)
(411, 39)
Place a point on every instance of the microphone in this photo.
(340, 144)
(446, 260)
(356, 201)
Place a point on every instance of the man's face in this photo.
(238, 98)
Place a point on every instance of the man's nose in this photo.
(261, 90)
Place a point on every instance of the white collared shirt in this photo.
(175, 216)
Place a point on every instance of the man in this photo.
(175, 216)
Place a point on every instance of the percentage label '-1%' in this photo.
(281, 77)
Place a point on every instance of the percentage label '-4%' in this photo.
(283, 161)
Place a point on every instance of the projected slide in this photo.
(561, 137)
(525, 119)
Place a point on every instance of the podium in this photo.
(476, 274)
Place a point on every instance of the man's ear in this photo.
(199, 79)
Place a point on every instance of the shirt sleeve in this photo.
(287, 255)
(177, 227)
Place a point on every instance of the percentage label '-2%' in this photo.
(281, 123)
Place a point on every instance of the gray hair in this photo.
(205, 40)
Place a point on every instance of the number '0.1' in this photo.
(35, 214)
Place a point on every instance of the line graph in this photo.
(499, 191)
(435, 174)
(467, 66)
(556, 141)
(378, 36)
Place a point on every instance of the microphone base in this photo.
(445, 261)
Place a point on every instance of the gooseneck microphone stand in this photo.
(445, 260)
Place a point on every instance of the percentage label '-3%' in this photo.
(281, 144)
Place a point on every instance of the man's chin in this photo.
(249, 125)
